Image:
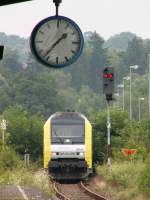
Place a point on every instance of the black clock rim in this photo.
(42, 61)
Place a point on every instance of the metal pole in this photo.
(28, 160)
(3, 137)
(130, 96)
(108, 135)
(124, 79)
(118, 98)
(149, 84)
(139, 109)
(140, 99)
(123, 96)
(3, 126)
(25, 160)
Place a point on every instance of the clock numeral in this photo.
(58, 23)
(73, 51)
(48, 26)
(47, 58)
(41, 50)
(41, 32)
(57, 60)
(39, 41)
(67, 25)
(75, 42)
(66, 58)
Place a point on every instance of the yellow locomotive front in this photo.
(68, 146)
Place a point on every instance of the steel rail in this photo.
(91, 193)
(58, 193)
(83, 189)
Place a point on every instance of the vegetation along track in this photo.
(75, 192)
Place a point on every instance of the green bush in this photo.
(8, 159)
(144, 184)
(122, 173)
(123, 180)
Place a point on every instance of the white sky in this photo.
(107, 17)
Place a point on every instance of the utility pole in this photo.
(149, 84)
(3, 126)
(26, 158)
(123, 93)
(131, 67)
(139, 102)
(123, 90)
(121, 86)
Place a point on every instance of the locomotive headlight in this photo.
(81, 153)
(55, 153)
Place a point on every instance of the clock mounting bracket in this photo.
(57, 3)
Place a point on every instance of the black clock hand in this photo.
(64, 35)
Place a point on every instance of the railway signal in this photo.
(108, 90)
(108, 82)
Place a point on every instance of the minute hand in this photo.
(52, 47)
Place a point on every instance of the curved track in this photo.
(75, 192)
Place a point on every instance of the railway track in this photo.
(75, 192)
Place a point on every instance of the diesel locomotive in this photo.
(68, 146)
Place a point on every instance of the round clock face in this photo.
(56, 41)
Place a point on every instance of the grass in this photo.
(122, 180)
(12, 171)
(27, 177)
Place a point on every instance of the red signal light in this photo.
(110, 75)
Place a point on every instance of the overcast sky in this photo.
(106, 17)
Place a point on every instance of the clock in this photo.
(56, 41)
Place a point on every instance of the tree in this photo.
(116, 60)
(88, 101)
(136, 54)
(98, 61)
(120, 41)
(119, 120)
(25, 131)
(37, 94)
(12, 60)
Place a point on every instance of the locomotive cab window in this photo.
(61, 132)
(67, 130)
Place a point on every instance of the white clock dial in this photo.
(57, 41)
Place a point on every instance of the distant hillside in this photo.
(13, 41)
(119, 41)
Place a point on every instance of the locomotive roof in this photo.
(72, 115)
(67, 114)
